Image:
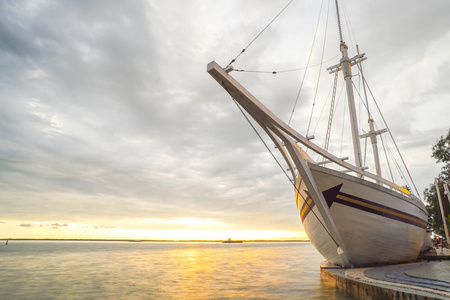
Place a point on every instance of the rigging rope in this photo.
(365, 150)
(307, 64)
(364, 85)
(243, 50)
(343, 127)
(396, 147)
(352, 35)
(282, 169)
(399, 170)
(322, 110)
(320, 70)
(387, 158)
(285, 71)
(330, 117)
(378, 108)
(402, 176)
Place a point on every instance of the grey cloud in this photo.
(107, 111)
(102, 226)
(57, 225)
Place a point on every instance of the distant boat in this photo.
(230, 241)
(354, 218)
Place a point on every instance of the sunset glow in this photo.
(148, 229)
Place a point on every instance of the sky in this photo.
(110, 126)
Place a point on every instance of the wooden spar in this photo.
(447, 192)
(436, 182)
(293, 157)
(263, 116)
(318, 198)
(279, 145)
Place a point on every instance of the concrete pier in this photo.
(422, 280)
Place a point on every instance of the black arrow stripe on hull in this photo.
(365, 205)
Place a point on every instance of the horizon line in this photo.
(148, 240)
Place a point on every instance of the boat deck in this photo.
(429, 278)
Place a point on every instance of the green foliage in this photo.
(447, 220)
(441, 152)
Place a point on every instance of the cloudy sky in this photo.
(110, 126)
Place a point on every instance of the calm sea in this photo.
(125, 270)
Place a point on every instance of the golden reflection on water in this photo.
(163, 271)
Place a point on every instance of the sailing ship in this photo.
(230, 241)
(353, 217)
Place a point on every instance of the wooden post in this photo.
(436, 182)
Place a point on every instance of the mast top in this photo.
(339, 22)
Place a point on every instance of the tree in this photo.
(441, 152)
(447, 219)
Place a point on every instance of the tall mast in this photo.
(372, 133)
(339, 22)
(345, 66)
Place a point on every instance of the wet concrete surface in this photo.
(427, 278)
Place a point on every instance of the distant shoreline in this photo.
(152, 241)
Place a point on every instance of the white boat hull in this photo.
(376, 225)
(350, 221)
